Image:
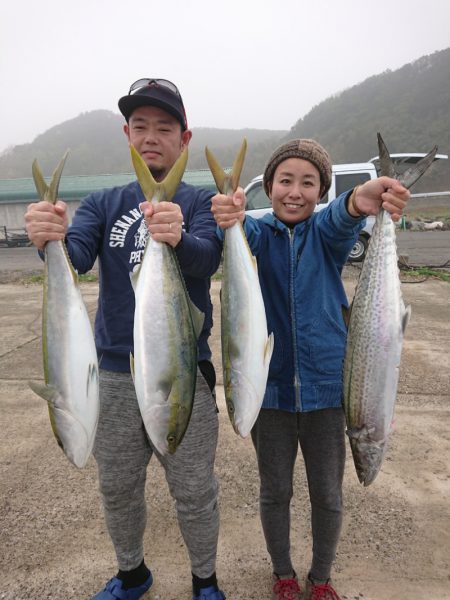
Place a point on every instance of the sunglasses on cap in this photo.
(163, 83)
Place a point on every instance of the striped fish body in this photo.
(246, 347)
(375, 338)
(70, 359)
(164, 364)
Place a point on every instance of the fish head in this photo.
(368, 457)
(243, 402)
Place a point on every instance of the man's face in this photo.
(295, 190)
(158, 138)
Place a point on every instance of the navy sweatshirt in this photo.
(109, 226)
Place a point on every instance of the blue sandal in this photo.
(113, 590)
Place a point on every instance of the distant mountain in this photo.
(410, 107)
(98, 145)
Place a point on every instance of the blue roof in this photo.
(75, 187)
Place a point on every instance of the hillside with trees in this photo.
(410, 107)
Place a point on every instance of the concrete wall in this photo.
(12, 215)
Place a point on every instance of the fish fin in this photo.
(92, 379)
(405, 318)
(45, 391)
(134, 276)
(254, 262)
(409, 177)
(132, 366)
(269, 349)
(198, 318)
(220, 177)
(346, 314)
(386, 164)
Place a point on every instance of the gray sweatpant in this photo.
(122, 451)
(321, 434)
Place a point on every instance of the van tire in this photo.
(358, 252)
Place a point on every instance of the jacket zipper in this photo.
(297, 383)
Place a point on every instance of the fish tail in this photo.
(386, 164)
(220, 177)
(48, 192)
(227, 184)
(409, 177)
(153, 190)
(238, 165)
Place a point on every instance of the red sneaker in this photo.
(320, 591)
(285, 588)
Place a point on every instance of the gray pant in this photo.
(122, 451)
(276, 436)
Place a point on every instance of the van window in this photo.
(348, 181)
(256, 197)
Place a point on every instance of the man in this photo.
(113, 226)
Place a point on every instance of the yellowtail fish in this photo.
(166, 327)
(377, 324)
(246, 346)
(70, 358)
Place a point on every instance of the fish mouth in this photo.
(368, 458)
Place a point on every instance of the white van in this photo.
(344, 177)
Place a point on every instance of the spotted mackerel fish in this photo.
(246, 347)
(377, 324)
(166, 327)
(70, 357)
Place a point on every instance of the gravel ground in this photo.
(395, 540)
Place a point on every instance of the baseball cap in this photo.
(154, 92)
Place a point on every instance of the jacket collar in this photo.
(278, 226)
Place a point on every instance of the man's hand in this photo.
(164, 221)
(45, 222)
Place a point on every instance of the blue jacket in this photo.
(109, 226)
(300, 274)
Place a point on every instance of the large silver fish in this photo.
(246, 347)
(70, 357)
(377, 325)
(166, 327)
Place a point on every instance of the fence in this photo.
(13, 238)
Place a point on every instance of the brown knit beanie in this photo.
(306, 149)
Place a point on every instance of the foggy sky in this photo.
(255, 63)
